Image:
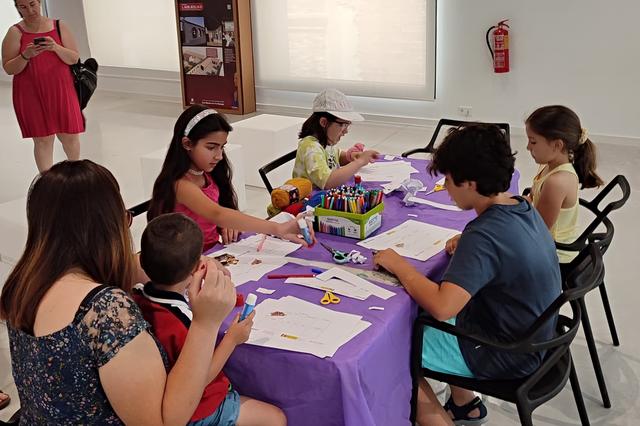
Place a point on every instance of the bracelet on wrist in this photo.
(24, 57)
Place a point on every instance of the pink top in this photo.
(44, 97)
(209, 229)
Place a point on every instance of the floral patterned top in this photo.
(315, 162)
(57, 374)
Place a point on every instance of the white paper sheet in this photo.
(441, 206)
(337, 286)
(250, 266)
(293, 324)
(272, 246)
(387, 171)
(356, 281)
(282, 217)
(413, 239)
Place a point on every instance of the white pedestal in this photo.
(266, 137)
(151, 164)
(13, 229)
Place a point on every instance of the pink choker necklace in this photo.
(196, 172)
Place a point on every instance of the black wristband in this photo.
(24, 57)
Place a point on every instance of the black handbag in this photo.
(85, 77)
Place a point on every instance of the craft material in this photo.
(249, 304)
(338, 256)
(329, 298)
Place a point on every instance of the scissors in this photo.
(439, 186)
(329, 298)
(339, 257)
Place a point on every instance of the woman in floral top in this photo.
(81, 351)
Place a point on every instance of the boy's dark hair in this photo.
(170, 248)
(476, 152)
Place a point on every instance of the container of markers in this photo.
(349, 212)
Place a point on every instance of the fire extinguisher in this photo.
(500, 49)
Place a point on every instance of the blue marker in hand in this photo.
(249, 304)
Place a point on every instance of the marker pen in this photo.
(249, 304)
(304, 228)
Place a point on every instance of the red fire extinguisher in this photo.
(500, 49)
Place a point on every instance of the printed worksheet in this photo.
(247, 266)
(296, 325)
(413, 239)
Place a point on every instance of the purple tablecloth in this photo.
(368, 381)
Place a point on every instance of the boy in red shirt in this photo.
(171, 251)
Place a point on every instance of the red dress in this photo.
(44, 96)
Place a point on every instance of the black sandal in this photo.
(461, 413)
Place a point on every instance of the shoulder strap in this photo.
(19, 28)
(59, 32)
(566, 167)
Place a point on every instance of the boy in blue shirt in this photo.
(503, 274)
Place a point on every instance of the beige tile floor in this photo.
(122, 127)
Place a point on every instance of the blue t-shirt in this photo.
(506, 259)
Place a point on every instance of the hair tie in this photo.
(584, 135)
(196, 119)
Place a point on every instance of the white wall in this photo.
(72, 13)
(8, 16)
(582, 53)
(133, 33)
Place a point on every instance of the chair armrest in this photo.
(526, 344)
(425, 319)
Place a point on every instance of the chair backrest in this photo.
(600, 215)
(138, 209)
(274, 165)
(447, 122)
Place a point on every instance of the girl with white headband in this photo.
(567, 159)
(196, 180)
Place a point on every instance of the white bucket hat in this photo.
(335, 103)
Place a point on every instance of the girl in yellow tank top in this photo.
(567, 158)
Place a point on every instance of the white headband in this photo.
(196, 119)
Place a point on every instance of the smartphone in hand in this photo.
(38, 41)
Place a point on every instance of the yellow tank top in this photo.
(565, 230)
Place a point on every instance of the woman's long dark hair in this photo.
(559, 122)
(177, 163)
(76, 220)
(312, 127)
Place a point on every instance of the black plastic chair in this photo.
(602, 240)
(138, 209)
(430, 148)
(274, 165)
(556, 369)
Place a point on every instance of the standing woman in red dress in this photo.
(44, 96)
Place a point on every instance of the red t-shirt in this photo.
(170, 317)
